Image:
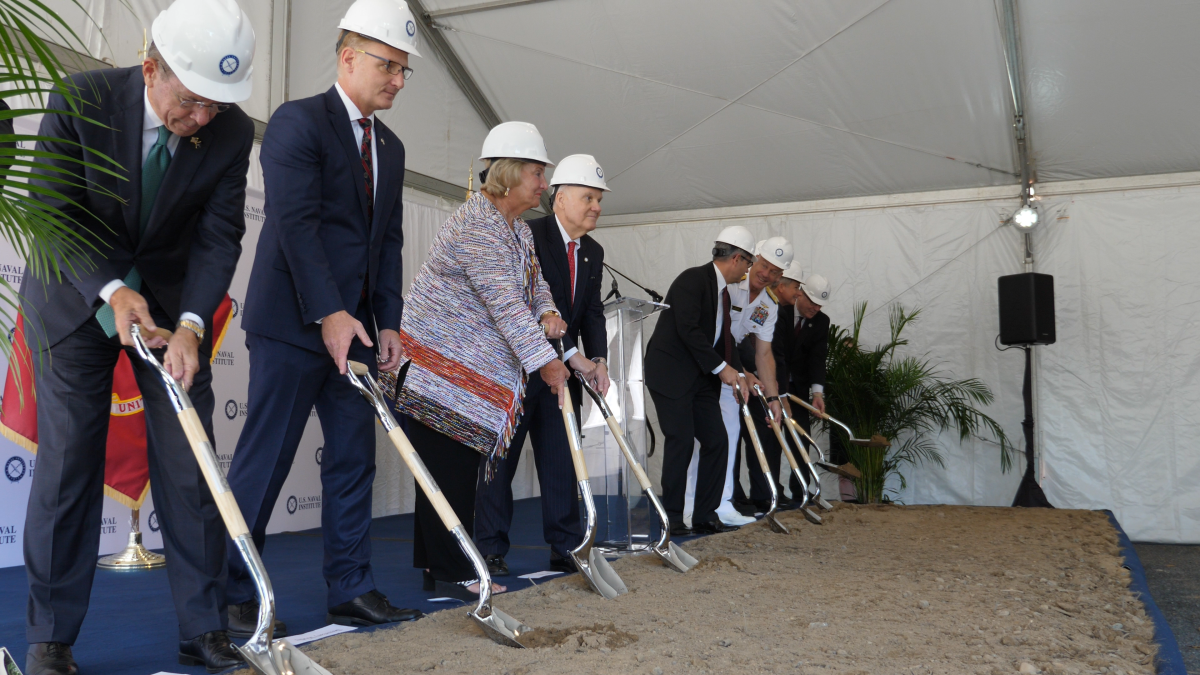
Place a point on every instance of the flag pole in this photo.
(135, 556)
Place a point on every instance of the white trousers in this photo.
(731, 415)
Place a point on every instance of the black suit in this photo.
(803, 351)
(186, 257)
(679, 363)
(542, 418)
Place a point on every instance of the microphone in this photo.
(614, 291)
(654, 295)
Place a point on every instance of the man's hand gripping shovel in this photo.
(769, 516)
(591, 563)
(497, 625)
(672, 556)
(264, 655)
(787, 452)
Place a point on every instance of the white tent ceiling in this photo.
(707, 103)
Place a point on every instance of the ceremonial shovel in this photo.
(590, 562)
(845, 470)
(672, 556)
(796, 431)
(787, 451)
(264, 655)
(769, 516)
(497, 625)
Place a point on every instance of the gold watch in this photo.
(192, 326)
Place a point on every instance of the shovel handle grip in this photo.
(787, 451)
(568, 414)
(217, 485)
(157, 332)
(762, 456)
(409, 454)
(642, 479)
(808, 407)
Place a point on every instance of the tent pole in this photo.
(1016, 84)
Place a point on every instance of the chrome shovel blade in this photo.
(810, 516)
(501, 628)
(824, 504)
(279, 658)
(599, 573)
(678, 558)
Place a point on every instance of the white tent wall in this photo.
(1118, 393)
(114, 33)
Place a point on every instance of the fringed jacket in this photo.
(471, 329)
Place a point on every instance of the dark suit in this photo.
(186, 257)
(318, 254)
(542, 419)
(800, 357)
(679, 363)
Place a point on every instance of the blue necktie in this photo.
(153, 170)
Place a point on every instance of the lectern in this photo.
(625, 522)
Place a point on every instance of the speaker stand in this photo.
(1029, 493)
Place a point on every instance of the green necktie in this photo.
(153, 170)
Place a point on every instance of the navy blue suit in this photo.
(542, 419)
(186, 256)
(318, 254)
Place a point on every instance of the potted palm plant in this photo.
(906, 399)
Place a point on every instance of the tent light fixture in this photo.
(1026, 218)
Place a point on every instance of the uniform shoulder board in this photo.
(771, 294)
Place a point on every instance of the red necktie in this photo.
(726, 333)
(368, 172)
(571, 266)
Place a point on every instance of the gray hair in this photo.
(153, 54)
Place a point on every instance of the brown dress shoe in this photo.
(50, 658)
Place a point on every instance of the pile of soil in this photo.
(876, 589)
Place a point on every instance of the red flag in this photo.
(126, 472)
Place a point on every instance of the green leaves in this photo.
(906, 399)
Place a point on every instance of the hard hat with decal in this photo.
(736, 235)
(515, 140)
(388, 21)
(776, 250)
(209, 45)
(793, 272)
(816, 287)
(579, 170)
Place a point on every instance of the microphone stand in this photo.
(654, 295)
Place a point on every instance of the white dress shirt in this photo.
(567, 240)
(355, 116)
(150, 125)
(720, 312)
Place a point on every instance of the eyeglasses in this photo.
(748, 261)
(201, 105)
(393, 68)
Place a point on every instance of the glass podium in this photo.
(625, 523)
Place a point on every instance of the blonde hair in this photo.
(502, 174)
(353, 41)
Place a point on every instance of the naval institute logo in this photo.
(411, 28)
(152, 522)
(229, 64)
(292, 505)
(231, 409)
(14, 469)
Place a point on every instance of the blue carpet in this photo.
(1169, 660)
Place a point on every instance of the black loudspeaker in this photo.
(1027, 309)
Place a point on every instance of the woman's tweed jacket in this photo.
(471, 329)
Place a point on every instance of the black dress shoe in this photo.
(745, 507)
(561, 564)
(713, 527)
(370, 609)
(50, 658)
(211, 650)
(681, 530)
(497, 567)
(243, 619)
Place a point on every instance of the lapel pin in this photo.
(382, 141)
(585, 260)
(195, 142)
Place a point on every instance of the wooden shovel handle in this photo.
(800, 430)
(409, 454)
(808, 407)
(217, 485)
(157, 332)
(642, 479)
(783, 443)
(568, 413)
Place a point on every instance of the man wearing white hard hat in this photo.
(168, 231)
(803, 340)
(690, 356)
(753, 311)
(572, 265)
(324, 289)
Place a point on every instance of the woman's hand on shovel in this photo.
(555, 375)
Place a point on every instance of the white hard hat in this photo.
(793, 271)
(579, 170)
(816, 287)
(776, 250)
(209, 44)
(736, 235)
(516, 140)
(388, 21)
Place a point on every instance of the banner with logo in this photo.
(299, 505)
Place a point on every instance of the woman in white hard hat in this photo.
(474, 329)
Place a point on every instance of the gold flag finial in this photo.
(145, 45)
(470, 179)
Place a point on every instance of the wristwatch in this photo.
(192, 326)
(600, 361)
